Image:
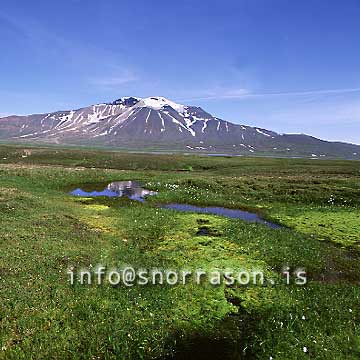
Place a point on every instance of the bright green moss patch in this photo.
(341, 226)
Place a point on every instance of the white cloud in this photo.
(115, 80)
(220, 94)
(217, 93)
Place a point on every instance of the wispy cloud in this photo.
(115, 80)
(243, 94)
(217, 93)
(109, 70)
(33, 31)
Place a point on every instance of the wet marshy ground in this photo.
(134, 191)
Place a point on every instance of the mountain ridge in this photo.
(157, 122)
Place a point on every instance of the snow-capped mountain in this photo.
(158, 123)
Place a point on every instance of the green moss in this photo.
(341, 226)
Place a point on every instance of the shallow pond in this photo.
(230, 213)
(130, 189)
(134, 191)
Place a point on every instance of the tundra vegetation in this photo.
(44, 232)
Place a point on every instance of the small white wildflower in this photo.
(303, 317)
(305, 350)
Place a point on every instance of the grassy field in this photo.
(44, 232)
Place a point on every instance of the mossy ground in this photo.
(44, 231)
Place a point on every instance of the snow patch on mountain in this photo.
(261, 132)
(158, 103)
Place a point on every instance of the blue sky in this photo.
(289, 66)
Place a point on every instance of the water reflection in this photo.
(134, 191)
(230, 213)
(130, 189)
